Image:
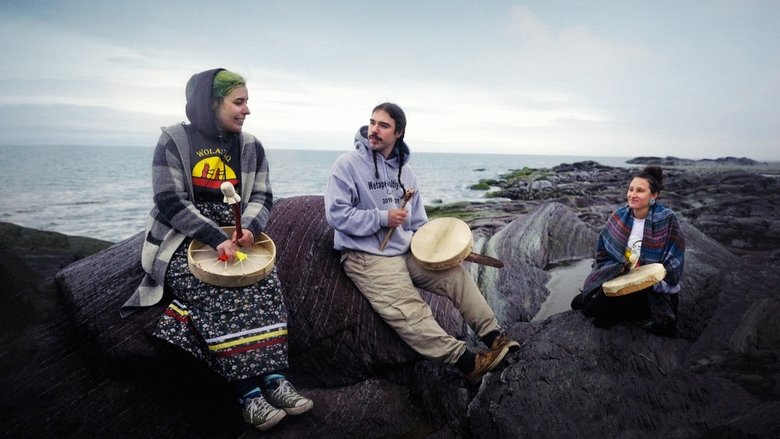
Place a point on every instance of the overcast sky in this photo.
(694, 79)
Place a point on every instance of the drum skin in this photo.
(442, 243)
(636, 279)
(259, 262)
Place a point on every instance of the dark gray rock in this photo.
(336, 340)
(737, 208)
(335, 337)
(572, 379)
(660, 161)
(528, 245)
(93, 374)
(676, 161)
(734, 201)
(54, 385)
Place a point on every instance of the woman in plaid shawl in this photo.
(646, 231)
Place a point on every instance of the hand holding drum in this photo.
(252, 264)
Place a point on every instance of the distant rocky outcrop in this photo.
(676, 161)
(104, 376)
(739, 206)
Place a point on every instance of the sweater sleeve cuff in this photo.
(216, 237)
(384, 218)
(255, 230)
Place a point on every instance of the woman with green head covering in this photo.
(240, 333)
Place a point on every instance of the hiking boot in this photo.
(504, 340)
(286, 398)
(260, 414)
(484, 362)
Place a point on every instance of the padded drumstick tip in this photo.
(229, 191)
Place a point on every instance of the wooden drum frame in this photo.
(637, 279)
(442, 243)
(256, 266)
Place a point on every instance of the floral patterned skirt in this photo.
(238, 332)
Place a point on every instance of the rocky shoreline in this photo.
(733, 200)
(73, 368)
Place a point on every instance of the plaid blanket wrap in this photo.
(663, 242)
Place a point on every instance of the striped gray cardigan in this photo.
(175, 217)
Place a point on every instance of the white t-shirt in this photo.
(634, 247)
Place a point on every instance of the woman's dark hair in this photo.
(654, 176)
(397, 114)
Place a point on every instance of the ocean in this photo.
(105, 192)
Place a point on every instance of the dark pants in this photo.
(643, 306)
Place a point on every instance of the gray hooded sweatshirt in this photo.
(357, 201)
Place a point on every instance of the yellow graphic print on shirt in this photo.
(211, 172)
(632, 252)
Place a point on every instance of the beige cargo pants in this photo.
(389, 285)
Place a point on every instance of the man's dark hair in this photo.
(397, 114)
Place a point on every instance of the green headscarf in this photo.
(224, 82)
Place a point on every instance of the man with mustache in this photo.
(363, 203)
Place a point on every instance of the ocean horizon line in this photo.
(106, 192)
(595, 157)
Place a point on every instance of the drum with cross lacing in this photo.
(251, 265)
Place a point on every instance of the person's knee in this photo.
(409, 307)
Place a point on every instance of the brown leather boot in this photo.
(484, 362)
(503, 340)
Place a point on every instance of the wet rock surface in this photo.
(73, 368)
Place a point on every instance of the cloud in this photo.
(440, 114)
(53, 65)
(567, 56)
(76, 125)
(602, 79)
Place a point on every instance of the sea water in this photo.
(105, 192)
